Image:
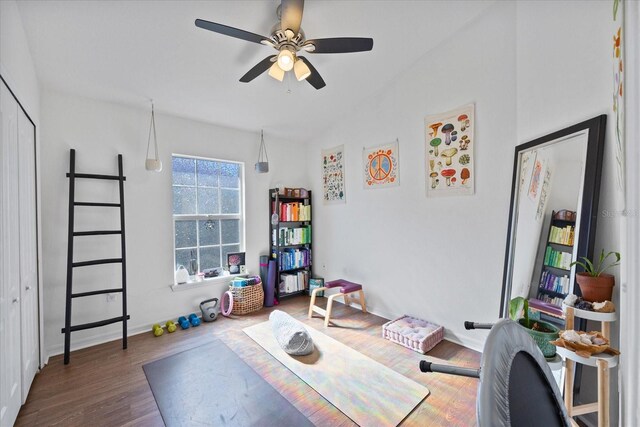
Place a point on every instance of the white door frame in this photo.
(41, 359)
(630, 231)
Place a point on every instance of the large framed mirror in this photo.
(552, 216)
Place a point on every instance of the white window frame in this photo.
(203, 217)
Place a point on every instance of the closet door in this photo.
(28, 252)
(10, 378)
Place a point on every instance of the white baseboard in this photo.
(476, 344)
(57, 349)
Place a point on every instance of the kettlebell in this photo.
(171, 327)
(210, 309)
(157, 330)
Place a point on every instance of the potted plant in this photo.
(541, 332)
(595, 284)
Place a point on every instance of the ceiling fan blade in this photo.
(230, 31)
(291, 15)
(341, 45)
(258, 69)
(314, 79)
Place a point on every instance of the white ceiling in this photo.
(131, 51)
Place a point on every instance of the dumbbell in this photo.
(195, 320)
(157, 330)
(184, 323)
(171, 327)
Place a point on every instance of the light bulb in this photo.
(301, 69)
(276, 72)
(285, 59)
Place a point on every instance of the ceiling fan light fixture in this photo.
(276, 72)
(285, 59)
(301, 69)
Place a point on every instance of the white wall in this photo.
(16, 63)
(529, 73)
(441, 258)
(99, 131)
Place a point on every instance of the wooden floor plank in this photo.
(104, 385)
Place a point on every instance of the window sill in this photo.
(205, 282)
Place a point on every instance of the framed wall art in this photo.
(381, 166)
(449, 147)
(333, 189)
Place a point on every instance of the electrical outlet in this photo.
(112, 297)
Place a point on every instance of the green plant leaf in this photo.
(516, 306)
(519, 307)
(594, 271)
(581, 264)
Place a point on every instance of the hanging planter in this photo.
(262, 166)
(153, 164)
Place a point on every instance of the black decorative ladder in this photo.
(72, 175)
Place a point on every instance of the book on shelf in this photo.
(291, 236)
(294, 211)
(294, 282)
(290, 258)
(552, 282)
(562, 235)
(557, 301)
(557, 259)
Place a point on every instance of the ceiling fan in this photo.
(288, 38)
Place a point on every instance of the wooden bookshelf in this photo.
(290, 240)
(555, 276)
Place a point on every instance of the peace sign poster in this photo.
(381, 166)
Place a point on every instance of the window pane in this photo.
(230, 231)
(210, 257)
(207, 173)
(227, 249)
(230, 201)
(186, 234)
(183, 257)
(208, 201)
(229, 175)
(209, 232)
(184, 171)
(184, 200)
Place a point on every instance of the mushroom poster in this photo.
(449, 147)
(381, 166)
(333, 175)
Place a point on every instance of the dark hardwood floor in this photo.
(106, 386)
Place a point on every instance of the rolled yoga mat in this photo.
(264, 272)
(269, 293)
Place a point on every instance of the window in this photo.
(208, 219)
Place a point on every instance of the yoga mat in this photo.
(364, 390)
(264, 271)
(211, 385)
(269, 293)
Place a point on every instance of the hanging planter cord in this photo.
(263, 159)
(153, 164)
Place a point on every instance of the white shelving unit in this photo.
(603, 362)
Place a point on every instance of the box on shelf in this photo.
(314, 283)
(416, 334)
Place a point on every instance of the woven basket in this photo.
(247, 299)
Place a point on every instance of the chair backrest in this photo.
(517, 387)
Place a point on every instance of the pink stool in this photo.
(346, 289)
